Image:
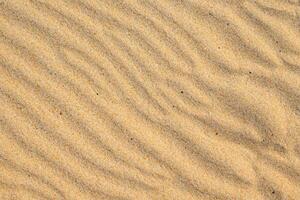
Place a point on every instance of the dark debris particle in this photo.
(250, 72)
(219, 47)
(60, 113)
(181, 92)
(217, 133)
(97, 93)
(131, 138)
(227, 24)
(273, 192)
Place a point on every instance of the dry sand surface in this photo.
(150, 99)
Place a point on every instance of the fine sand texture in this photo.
(149, 99)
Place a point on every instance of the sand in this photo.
(150, 99)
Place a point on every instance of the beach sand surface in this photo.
(149, 99)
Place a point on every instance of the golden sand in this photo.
(150, 99)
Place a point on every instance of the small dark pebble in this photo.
(217, 133)
(250, 72)
(97, 93)
(181, 92)
(273, 192)
(60, 113)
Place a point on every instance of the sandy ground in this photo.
(150, 99)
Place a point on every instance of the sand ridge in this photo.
(160, 99)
